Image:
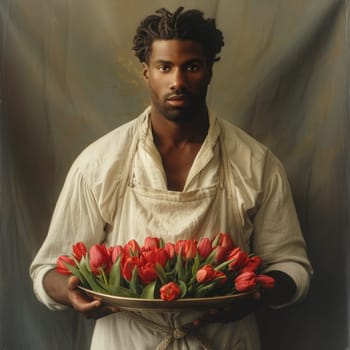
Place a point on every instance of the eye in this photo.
(194, 67)
(164, 68)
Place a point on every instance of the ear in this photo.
(145, 70)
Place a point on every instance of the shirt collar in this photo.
(147, 136)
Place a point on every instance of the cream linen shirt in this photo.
(105, 184)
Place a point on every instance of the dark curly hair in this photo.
(187, 25)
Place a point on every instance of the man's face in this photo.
(178, 76)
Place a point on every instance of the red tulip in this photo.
(245, 281)
(265, 281)
(239, 259)
(147, 273)
(224, 245)
(220, 254)
(99, 259)
(226, 241)
(161, 257)
(205, 274)
(222, 278)
(151, 242)
(179, 246)
(188, 248)
(170, 248)
(154, 256)
(115, 252)
(132, 248)
(204, 247)
(170, 291)
(61, 267)
(253, 264)
(79, 250)
(128, 266)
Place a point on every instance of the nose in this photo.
(178, 80)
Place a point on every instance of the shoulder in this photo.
(249, 159)
(109, 145)
(240, 145)
(105, 156)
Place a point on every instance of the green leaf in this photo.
(209, 260)
(179, 268)
(161, 274)
(183, 288)
(216, 241)
(223, 265)
(203, 290)
(90, 278)
(122, 292)
(161, 243)
(148, 290)
(134, 283)
(75, 271)
(114, 276)
(195, 265)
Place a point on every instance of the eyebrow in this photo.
(194, 60)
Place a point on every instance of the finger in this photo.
(102, 311)
(82, 302)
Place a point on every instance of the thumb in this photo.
(73, 282)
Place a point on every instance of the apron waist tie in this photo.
(172, 333)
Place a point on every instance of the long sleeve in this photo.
(76, 218)
(277, 237)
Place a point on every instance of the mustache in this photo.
(179, 93)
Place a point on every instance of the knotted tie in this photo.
(170, 333)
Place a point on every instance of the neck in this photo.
(168, 132)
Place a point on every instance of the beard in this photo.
(195, 103)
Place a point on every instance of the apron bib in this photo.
(145, 211)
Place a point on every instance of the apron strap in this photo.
(226, 176)
(230, 179)
(125, 177)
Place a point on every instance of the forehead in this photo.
(176, 51)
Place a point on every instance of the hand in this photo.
(65, 290)
(81, 302)
(230, 313)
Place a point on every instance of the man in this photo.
(177, 172)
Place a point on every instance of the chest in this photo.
(177, 162)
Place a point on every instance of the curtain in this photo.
(68, 76)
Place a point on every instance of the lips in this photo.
(177, 100)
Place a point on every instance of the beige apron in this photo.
(174, 215)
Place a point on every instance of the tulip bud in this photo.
(245, 281)
(115, 252)
(132, 248)
(79, 250)
(265, 281)
(99, 259)
(170, 248)
(204, 248)
(205, 274)
(61, 264)
(253, 264)
(151, 242)
(239, 259)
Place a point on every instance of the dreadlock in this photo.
(188, 25)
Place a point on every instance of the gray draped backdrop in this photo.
(68, 76)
